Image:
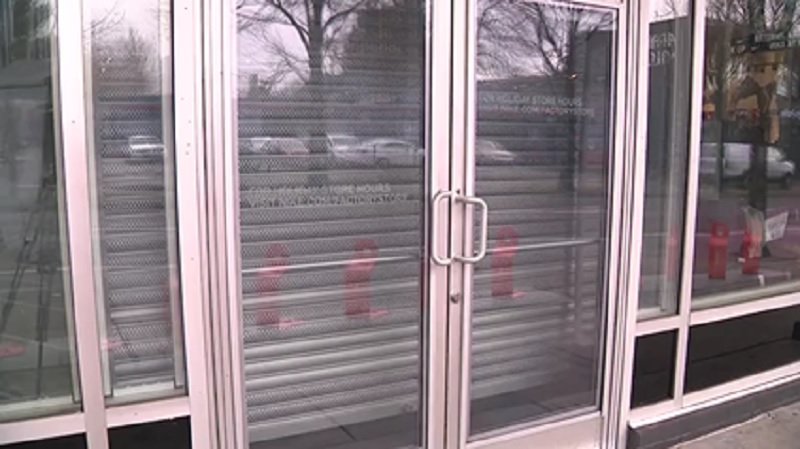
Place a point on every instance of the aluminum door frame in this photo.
(229, 410)
(592, 429)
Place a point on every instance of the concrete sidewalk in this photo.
(778, 429)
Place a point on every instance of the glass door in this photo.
(337, 135)
(536, 155)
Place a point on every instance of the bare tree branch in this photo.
(344, 13)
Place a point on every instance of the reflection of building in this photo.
(24, 33)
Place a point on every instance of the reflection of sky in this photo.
(273, 48)
(263, 49)
(668, 9)
(116, 17)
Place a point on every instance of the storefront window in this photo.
(747, 242)
(130, 127)
(667, 150)
(37, 358)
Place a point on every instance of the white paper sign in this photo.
(776, 227)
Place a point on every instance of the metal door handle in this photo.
(484, 238)
(435, 228)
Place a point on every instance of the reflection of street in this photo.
(33, 309)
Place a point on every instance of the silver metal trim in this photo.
(632, 98)
(656, 326)
(438, 177)
(692, 186)
(331, 264)
(192, 305)
(744, 308)
(223, 418)
(70, 28)
(145, 412)
(169, 121)
(574, 432)
(441, 195)
(42, 428)
(484, 241)
(94, 196)
(63, 234)
(230, 103)
(463, 128)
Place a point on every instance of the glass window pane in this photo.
(653, 368)
(747, 244)
(131, 132)
(70, 442)
(173, 434)
(732, 349)
(545, 90)
(331, 157)
(667, 150)
(37, 358)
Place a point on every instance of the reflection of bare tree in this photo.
(127, 56)
(516, 38)
(537, 44)
(316, 23)
(106, 23)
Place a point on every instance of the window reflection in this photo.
(747, 244)
(36, 340)
(667, 150)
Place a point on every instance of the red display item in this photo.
(268, 283)
(751, 253)
(718, 250)
(357, 276)
(503, 263)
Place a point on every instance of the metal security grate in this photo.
(133, 206)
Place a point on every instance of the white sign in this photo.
(776, 227)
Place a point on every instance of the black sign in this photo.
(757, 43)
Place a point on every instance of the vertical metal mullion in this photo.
(435, 299)
(230, 208)
(77, 177)
(695, 108)
(63, 235)
(169, 103)
(634, 103)
(221, 341)
(96, 237)
(190, 178)
(463, 154)
(458, 369)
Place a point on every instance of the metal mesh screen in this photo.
(135, 196)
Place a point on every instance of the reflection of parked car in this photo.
(488, 152)
(145, 147)
(381, 152)
(736, 161)
(341, 142)
(274, 146)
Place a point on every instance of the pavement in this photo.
(778, 429)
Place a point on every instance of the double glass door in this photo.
(421, 210)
